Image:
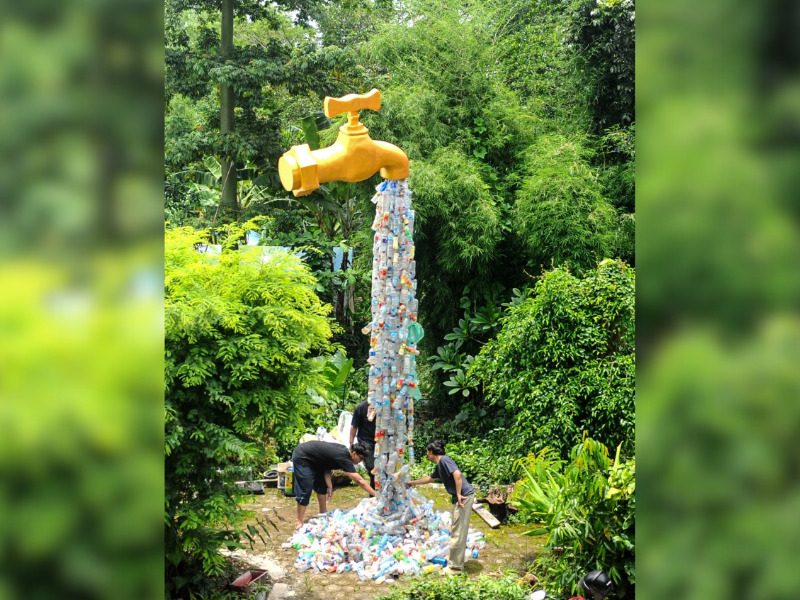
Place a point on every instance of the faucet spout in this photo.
(354, 156)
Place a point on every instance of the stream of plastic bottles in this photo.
(394, 333)
(398, 531)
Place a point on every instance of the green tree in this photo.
(207, 61)
(241, 339)
(573, 66)
(447, 106)
(227, 201)
(246, 63)
(348, 23)
(562, 217)
(563, 363)
(601, 36)
(538, 65)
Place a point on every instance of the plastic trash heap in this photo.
(338, 542)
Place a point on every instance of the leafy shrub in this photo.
(240, 339)
(587, 510)
(459, 588)
(479, 324)
(563, 363)
(542, 482)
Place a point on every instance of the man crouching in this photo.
(313, 463)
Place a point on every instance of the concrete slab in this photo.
(259, 561)
(280, 591)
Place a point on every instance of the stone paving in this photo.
(506, 549)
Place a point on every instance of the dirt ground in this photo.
(506, 549)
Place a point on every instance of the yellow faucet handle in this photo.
(352, 103)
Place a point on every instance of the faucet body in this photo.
(354, 156)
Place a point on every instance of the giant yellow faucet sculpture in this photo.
(353, 157)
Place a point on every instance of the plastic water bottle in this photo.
(289, 482)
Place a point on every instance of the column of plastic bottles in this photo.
(394, 333)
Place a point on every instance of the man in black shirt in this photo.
(364, 428)
(313, 463)
(461, 492)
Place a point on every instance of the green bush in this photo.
(485, 461)
(460, 588)
(239, 356)
(563, 363)
(587, 510)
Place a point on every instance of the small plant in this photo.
(586, 508)
(335, 393)
(538, 491)
(258, 591)
(308, 584)
(478, 325)
(462, 381)
(507, 587)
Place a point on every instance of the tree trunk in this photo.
(229, 207)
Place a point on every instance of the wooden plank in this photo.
(486, 516)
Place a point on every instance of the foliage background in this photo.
(81, 310)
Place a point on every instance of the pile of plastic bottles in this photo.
(394, 334)
(375, 548)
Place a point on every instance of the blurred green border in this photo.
(81, 308)
(718, 244)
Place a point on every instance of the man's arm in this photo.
(362, 483)
(353, 430)
(457, 477)
(422, 481)
(329, 483)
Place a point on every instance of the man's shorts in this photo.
(306, 480)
